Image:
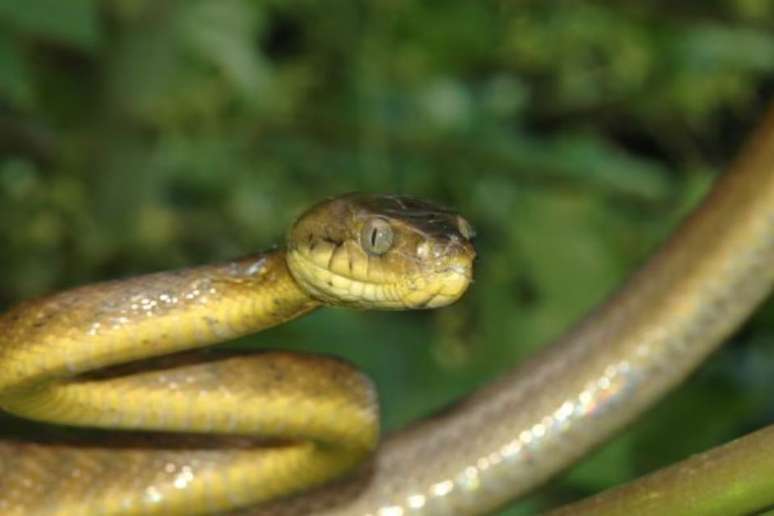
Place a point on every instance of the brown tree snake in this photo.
(314, 417)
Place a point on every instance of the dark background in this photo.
(140, 135)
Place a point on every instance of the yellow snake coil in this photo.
(284, 421)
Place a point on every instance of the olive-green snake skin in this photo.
(315, 417)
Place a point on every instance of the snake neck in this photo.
(116, 321)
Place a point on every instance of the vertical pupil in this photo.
(374, 234)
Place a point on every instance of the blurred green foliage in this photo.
(138, 135)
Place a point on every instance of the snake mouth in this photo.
(323, 283)
(449, 285)
(369, 286)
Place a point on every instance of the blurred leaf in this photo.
(225, 33)
(710, 47)
(73, 22)
(585, 158)
(15, 80)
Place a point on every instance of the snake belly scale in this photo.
(254, 427)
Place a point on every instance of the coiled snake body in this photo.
(319, 414)
(317, 417)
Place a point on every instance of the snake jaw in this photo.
(428, 289)
(449, 287)
(429, 264)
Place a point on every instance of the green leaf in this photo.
(15, 80)
(223, 32)
(73, 22)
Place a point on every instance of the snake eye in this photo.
(376, 236)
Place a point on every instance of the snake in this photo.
(276, 433)
(287, 421)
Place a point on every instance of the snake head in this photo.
(381, 252)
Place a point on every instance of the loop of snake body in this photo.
(315, 418)
(311, 418)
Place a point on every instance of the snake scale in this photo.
(256, 429)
